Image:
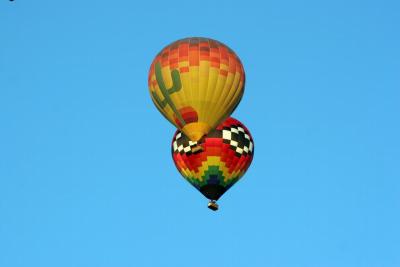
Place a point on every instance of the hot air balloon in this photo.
(196, 83)
(226, 155)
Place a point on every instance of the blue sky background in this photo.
(86, 176)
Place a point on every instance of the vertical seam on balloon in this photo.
(184, 91)
(190, 89)
(205, 89)
(235, 90)
(218, 95)
(228, 90)
(213, 91)
(201, 84)
(225, 92)
(204, 106)
(198, 76)
(237, 98)
(238, 92)
(210, 90)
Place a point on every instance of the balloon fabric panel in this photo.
(196, 83)
(227, 153)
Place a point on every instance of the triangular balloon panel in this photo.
(225, 155)
(196, 83)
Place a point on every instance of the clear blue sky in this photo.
(86, 176)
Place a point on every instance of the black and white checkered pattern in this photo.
(234, 135)
(238, 139)
(182, 144)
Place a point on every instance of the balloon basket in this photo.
(212, 205)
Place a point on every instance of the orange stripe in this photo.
(194, 57)
(232, 65)
(183, 50)
(184, 69)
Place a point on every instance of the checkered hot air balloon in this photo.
(226, 154)
(196, 83)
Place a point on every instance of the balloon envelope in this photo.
(196, 83)
(227, 152)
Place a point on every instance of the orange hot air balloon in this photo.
(196, 83)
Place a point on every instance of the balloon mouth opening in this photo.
(196, 130)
